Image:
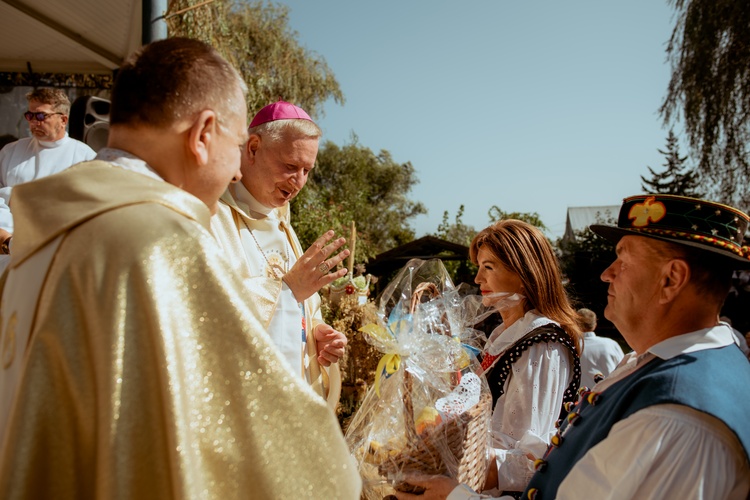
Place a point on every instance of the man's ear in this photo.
(201, 135)
(675, 278)
(251, 147)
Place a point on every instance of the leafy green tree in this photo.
(457, 231)
(495, 214)
(676, 178)
(255, 36)
(461, 233)
(709, 51)
(351, 183)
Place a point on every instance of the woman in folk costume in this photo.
(532, 359)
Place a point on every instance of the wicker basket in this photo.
(464, 435)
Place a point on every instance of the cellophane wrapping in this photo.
(427, 403)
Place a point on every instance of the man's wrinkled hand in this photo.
(312, 271)
(331, 344)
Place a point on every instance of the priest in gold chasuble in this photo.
(132, 366)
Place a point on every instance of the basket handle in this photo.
(416, 299)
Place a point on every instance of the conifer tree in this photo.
(676, 178)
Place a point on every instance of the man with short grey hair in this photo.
(600, 355)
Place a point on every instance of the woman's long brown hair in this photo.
(523, 249)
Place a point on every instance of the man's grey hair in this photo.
(588, 319)
(57, 98)
(278, 130)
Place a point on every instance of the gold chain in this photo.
(277, 270)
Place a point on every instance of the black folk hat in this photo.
(713, 227)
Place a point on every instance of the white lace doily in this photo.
(463, 397)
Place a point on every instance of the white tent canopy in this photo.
(69, 36)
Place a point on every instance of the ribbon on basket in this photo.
(388, 337)
(389, 364)
(394, 339)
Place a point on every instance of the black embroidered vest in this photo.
(501, 370)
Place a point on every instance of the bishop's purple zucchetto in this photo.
(279, 110)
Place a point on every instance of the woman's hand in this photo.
(435, 487)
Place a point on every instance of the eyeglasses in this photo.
(40, 117)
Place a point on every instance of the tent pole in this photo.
(153, 26)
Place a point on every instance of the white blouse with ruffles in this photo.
(523, 421)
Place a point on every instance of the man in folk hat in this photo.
(253, 225)
(672, 420)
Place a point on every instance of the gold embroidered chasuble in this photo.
(147, 374)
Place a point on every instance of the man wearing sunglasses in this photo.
(48, 151)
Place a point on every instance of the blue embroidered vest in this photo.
(713, 381)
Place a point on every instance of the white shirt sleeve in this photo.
(524, 418)
(741, 341)
(664, 451)
(6, 219)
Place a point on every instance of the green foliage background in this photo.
(709, 91)
(352, 183)
(256, 38)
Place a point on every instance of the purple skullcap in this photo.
(279, 110)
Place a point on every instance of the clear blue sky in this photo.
(532, 106)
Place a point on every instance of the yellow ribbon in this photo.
(390, 362)
(463, 357)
